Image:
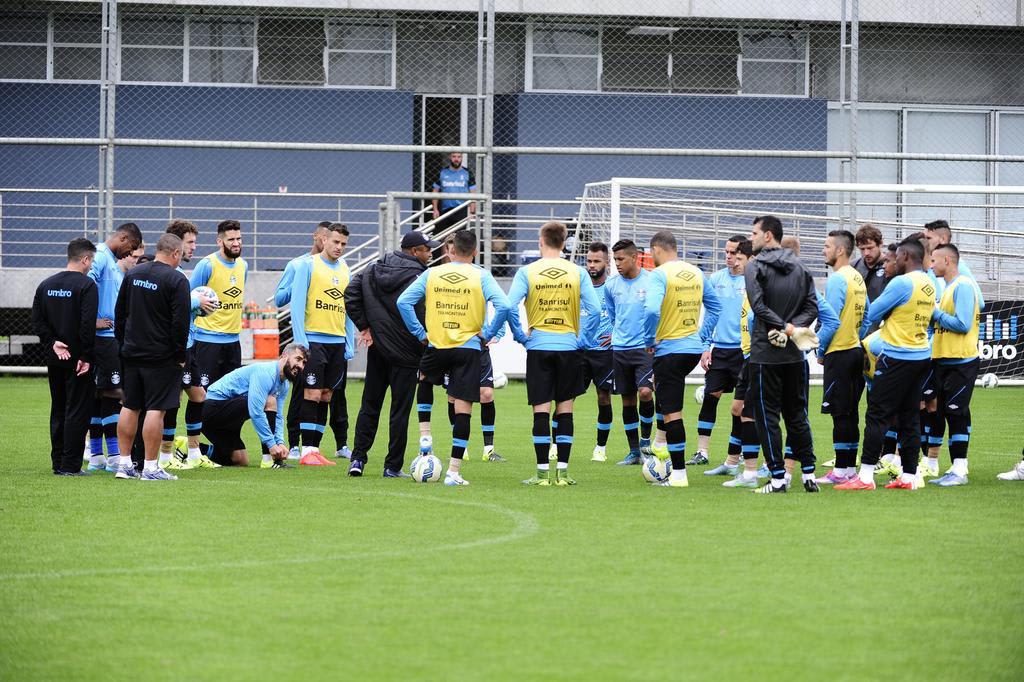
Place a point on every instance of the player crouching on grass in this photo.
(252, 392)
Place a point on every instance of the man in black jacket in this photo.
(151, 324)
(64, 316)
(393, 354)
(782, 297)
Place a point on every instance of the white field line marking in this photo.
(525, 526)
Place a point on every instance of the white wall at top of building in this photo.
(946, 12)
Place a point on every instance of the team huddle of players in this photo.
(909, 336)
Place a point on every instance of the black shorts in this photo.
(462, 367)
(190, 373)
(486, 369)
(326, 366)
(222, 426)
(552, 375)
(843, 382)
(634, 369)
(211, 361)
(670, 379)
(599, 369)
(896, 389)
(742, 382)
(955, 386)
(107, 364)
(724, 372)
(151, 388)
(928, 390)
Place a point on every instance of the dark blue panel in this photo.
(49, 110)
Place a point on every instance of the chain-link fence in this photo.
(281, 116)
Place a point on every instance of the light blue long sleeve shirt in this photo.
(829, 320)
(625, 300)
(729, 289)
(417, 291)
(283, 295)
(897, 292)
(257, 382)
(300, 291)
(694, 343)
(538, 339)
(108, 277)
(604, 326)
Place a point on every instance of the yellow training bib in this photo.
(455, 304)
(950, 344)
(325, 299)
(852, 314)
(907, 324)
(680, 309)
(745, 326)
(553, 297)
(229, 283)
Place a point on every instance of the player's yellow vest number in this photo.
(553, 299)
(229, 283)
(949, 344)
(680, 309)
(455, 303)
(907, 324)
(325, 300)
(745, 326)
(852, 314)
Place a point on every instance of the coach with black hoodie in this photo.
(782, 297)
(393, 354)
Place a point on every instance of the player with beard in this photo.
(598, 367)
(252, 392)
(216, 350)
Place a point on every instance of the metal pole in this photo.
(111, 74)
(489, 138)
(101, 175)
(854, 97)
(843, 110)
(478, 103)
(255, 230)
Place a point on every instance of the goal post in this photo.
(987, 223)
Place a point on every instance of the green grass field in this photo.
(307, 574)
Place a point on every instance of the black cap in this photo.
(417, 238)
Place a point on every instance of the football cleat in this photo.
(355, 468)
(949, 480)
(1014, 474)
(700, 458)
(855, 484)
(176, 464)
(343, 453)
(660, 451)
(426, 445)
(810, 485)
(741, 481)
(454, 480)
(157, 474)
(722, 470)
(96, 467)
(295, 453)
(113, 464)
(768, 489)
(396, 473)
(72, 473)
(281, 464)
(491, 456)
(632, 458)
(181, 446)
(206, 463)
(562, 477)
(762, 471)
(900, 484)
(127, 472)
(645, 447)
(833, 478)
(924, 470)
(888, 468)
(538, 480)
(673, 483)
(599, 454)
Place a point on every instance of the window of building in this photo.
(566, 58)
(291, 51)
(773, 63)
(76, 46)
(361, 54)
(221, 49)
(23, 45)
(152, 49)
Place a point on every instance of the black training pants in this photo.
(380, 376)
(776, 389)
(895, 402)
(71, 402)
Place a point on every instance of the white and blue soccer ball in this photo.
(207, 293)
(656, 470)
(426, 469)
(698, 394)
(989, 380)
(499, 379)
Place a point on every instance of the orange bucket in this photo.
(265, 344)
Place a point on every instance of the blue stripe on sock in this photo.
(646, 420)
(112, 448)
(890, 434)
(424, 407)
(169, 432)
(959, 438)
(659, 416)
(487, 428)
(677, 447)
(705, 425)
(788, 450)
(95, 421)
(733, 440)
(807, 469)
(194, 427)
(564, 440)
(631, 427)
(112, 419)
(545, 440)
(751, 448)
(459, 443)
(308, 426)
(934, 440)
(604, 427)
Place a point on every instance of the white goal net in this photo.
(987, 224)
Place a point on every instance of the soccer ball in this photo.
(698, 394)
(989, 380)
(500, 380)
(656, 470)
(426, 469)
(208, 293)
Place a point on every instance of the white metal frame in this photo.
(528, 85)
(806, 61)
(393, 53)
(463, 130)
